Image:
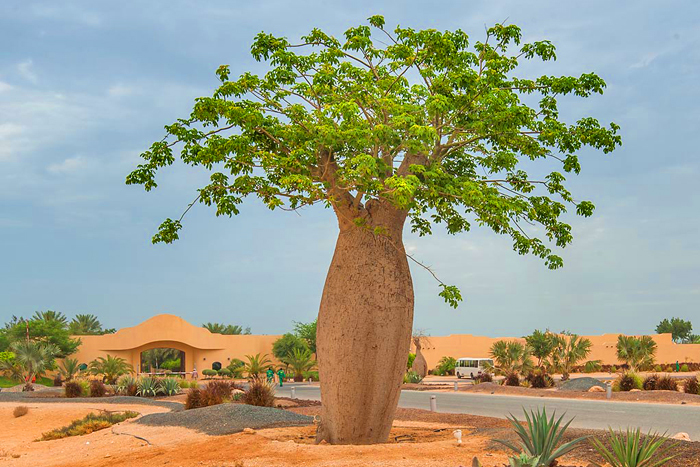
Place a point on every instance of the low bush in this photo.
(169, 386)
(539, 379)
(691, 386)
(657, 368)
(412, 377)
(684, 368)
(628, 381)
(669, 369)
(209, 373)
(73, 389)
(666, 383)
(57, 381)
(85, 385)
(97, 388)
(311, 374)
(649, 383)
(217, 392)
(512, 379)
(483, 378)
(225, 372)
(147, 387)
(259, 393)
(126, 385)
(613, 369)
(194, 399)
(20, 411)
(88, 424)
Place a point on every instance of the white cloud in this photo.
(70, 165)
(4, 87)
(25, 69)
(120, 90)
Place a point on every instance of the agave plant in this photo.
(539, 439)
(125, 383)
(147, 387)
(169, 386)
(629, 449)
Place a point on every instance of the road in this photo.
(588, 414)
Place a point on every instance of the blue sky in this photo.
(86, 86)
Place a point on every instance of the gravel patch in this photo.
(581, 384)
(28, 397)
(225, 419)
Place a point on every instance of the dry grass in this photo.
(88, 424)
(20, 411)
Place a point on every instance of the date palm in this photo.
(85, 325)
(227, 329)
(257, 364)
(637, 352)
(300, 361)
(567, 352)
(511, 357)
(50, 315)
(111, 368)
(69, 368)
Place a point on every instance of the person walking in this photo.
(281, 375)
(270, 375)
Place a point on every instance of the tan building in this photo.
(202, 349)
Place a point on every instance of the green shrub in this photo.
(259, 393)
(484, 377)
(657, 368)
(666, 383)
(85, 385)
(209, 373)
(539, 439)
(73, 389)
(684, 368)
(592, 366)
(147, 387)
(613, 369)
(169, 386)
(649, 383)
(691, 386)
(57, 381)
(628, 381)
(411, 359)
(88, 424)
(412, 377)
(97, 388)
(631, 449)
(311, 374)
(669, 369)
(127, 385)
(225, 372)
(539, 379)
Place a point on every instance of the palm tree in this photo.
(50, 315)
(85, 325)
(34, 358)
(567, 352)
(446, 366)
(257, 364)
(69, 368)
(511, 358)
(300, 361)
(227, 329)
(154, 358)
(111, 368)
(637, 352)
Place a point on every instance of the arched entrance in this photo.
(161, 360)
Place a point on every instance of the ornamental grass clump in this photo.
(97, 388)
(259, 393)
(649, 383)
(631, 449)
(127, 385)
(628, 381)
(540, 439)
(666, 383)
(691, 386)
(73, 389)
(88, 424)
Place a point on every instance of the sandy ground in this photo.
(419, 438)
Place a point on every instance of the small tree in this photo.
(69, 368)
(542, 344)
(446, 366)
(300, 361)
(33, 358)
(111, 368)
(567, 352)
(423, 126)
(511, 358)
(50, 331)
(637, 352)
(283, 347)
(85, 325)
(307, 332)
(257, 364)
(681, 330)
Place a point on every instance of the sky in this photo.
(86, 86)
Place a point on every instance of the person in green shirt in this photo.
(270, 375)
(281, 375)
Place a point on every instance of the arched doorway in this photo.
(162, 360)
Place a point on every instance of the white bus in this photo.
(468, 367)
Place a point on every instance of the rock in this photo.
(635, 390)
(581, 384)
(323, 441)
(681, 436)
(596, 389)
(248, 431)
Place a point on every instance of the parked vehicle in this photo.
(470, 367)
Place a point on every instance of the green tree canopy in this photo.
(430, 122)
(228, 329)
(681, 330)
(541, 344)
(285, 346)
(85, 325)
(307, 332)
(45, 331)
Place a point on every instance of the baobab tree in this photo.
(386, 127)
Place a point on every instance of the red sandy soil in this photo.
(419, 438)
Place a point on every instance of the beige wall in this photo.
(202, 348)
(604, 348)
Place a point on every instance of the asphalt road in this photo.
(588, 414)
